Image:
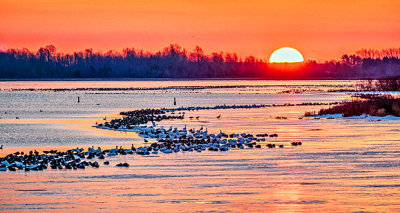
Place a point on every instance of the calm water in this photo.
(344, 165)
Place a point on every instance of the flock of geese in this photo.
(157, 140)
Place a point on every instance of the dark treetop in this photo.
(175, 62)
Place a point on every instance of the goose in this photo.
(167, 151)
(112, 152)
(296, 143)
(123, 165)
(271, 145)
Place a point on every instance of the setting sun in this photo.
(286, 55)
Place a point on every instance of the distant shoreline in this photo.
(174, 79)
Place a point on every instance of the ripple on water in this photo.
(192, 201)
(215, 185)
(57, 182)
(135, 176)
(139, 195)
(361, 212)
(381, 186)
(45, 193)
(381, 164)
(234, 193)
(304, 183)
(297, 202)
(36, 206)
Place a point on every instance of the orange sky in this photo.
(320, 29)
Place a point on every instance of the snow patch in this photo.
(363, 116)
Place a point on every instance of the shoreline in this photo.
(178, 79)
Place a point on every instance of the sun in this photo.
(286, 55)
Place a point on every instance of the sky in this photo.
(320, 30)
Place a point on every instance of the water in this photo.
(344, 165)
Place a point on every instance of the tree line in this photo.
(176, 62)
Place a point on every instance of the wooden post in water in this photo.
(174, 101)
(78, 100)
